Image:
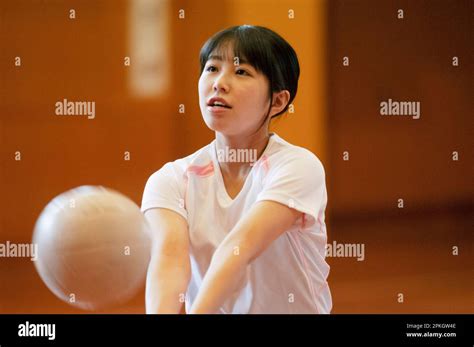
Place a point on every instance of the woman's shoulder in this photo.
(286, 154)
(179, 166)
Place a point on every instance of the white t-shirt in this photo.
(290, 276)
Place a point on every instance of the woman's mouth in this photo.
(215, 109)
(218, 103)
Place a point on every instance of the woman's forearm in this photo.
(224, 273)
(167, 282)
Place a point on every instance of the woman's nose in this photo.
(221, 83)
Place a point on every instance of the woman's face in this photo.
(244, 90)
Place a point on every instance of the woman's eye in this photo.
(241, 72)
(211, 68)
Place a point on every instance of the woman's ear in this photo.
(279, 101)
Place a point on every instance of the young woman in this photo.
(238, 226)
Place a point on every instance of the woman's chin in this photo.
(216, 124)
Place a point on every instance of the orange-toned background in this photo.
(407, 250)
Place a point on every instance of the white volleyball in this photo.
(93, 247)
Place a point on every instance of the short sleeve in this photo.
(165, 189)
(297, 181)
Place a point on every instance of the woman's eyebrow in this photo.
(243, 61)
(219, 58)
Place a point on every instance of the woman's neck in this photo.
(236, 154)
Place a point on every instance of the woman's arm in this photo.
(169, 270)
(249, 238)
